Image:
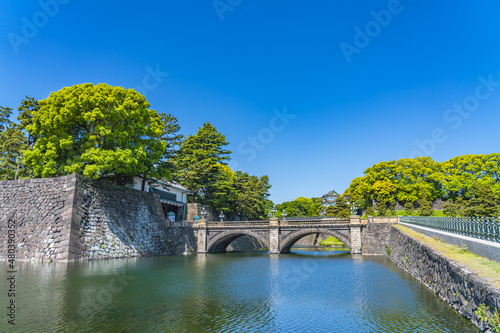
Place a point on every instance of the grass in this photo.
(332, 241)
(483, 267)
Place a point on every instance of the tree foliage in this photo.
(482, 202)
(410, 180)
(425, 206)
(12, 146)
(300, 207)
(341, 209)
(197, 163)
(200, 165)
(100, 131)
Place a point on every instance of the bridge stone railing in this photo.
(274, 227)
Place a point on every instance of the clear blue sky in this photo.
(355, 98)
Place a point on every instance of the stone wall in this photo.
(72, 217)
(436, 204)
(41, 210)
(194, 209)
(375, 238)
(117, 222)
(457, 286)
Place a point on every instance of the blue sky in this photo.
(310, 93)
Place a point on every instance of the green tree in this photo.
(409, 208)
(483, 201)
(251, 199)
(100, 131)
(381, 208)
(453, 208)
(341, 208)
(28, 107)
(196, 162)
(12, 146)
(171, 139)
(5, 113)
(369, 211)
(425, 208)
(301, 207)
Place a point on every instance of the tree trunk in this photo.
(143, 186)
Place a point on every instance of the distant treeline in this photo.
(465, 182)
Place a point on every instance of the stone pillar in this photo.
(355, 228)
(274, 235)
(202, 235)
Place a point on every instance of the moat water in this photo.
(309, 290)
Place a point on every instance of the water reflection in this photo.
(320, 290)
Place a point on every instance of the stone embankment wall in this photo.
(375, 237)
(457, 286)
(41, 211)
(118, 222)
(72, 217)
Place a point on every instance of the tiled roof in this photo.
(331, 193)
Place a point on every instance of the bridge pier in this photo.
(355, 228)
(274, 236)
(202, 236)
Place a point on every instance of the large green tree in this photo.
(251, 196)
(196, 164)
(171, 139)
(407, 181)
(100, 131)
(483, 202)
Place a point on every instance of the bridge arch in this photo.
(219, 242)
(290, 239)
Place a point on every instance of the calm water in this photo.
(305, 291)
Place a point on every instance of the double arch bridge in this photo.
(278, 236)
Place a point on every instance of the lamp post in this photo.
(221, 215)
(354, 208)
(284, 215)
(273, 210)
(203, 212)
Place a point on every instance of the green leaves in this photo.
(412, 180)
(12, 146)
(200, 166)
(99, 131)
(196, 163)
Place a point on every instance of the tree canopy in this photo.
(300, 207)
(423, 180)
(99, 131)
(12, 145)
(197, 163)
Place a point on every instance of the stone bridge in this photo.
(278, 236)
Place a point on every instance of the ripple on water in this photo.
(241, 292)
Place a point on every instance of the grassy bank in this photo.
(331, 241)
(483, 267)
